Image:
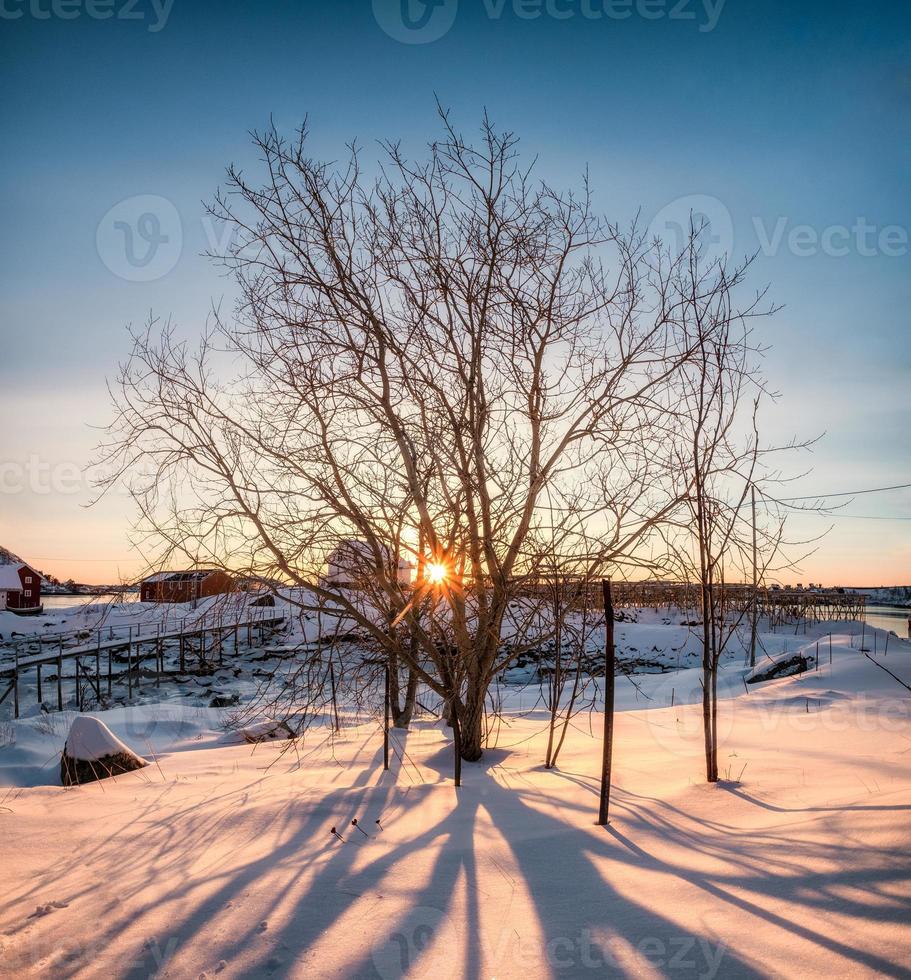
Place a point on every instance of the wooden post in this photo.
(386, 719)
(609, 665)
(16, 687)
(334, 698)
(38, 667)
(456, 745)
(110, 673)
(60, 677)
(78, 688)
(183, 663)
(755, 584)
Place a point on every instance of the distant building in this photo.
(20, 588)
(185, 586)
(353, 563)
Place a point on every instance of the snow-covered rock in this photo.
(783, 665)
(267, 731)
(92, 751)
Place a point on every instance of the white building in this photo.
(353, 563)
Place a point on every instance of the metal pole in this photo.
(609, 665)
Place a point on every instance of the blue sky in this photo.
(783, 119)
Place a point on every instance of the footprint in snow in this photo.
(263, 926)
(48, 908)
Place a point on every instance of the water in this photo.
(893, 618)
(51, 602)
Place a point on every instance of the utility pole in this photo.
(755, 582)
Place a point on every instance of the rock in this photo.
(783, 667)
(267, 731)
(92, 751)
(224, 701)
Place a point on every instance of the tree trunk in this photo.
(714, 776)
(402, 715)
(707, 612)
(471, 721)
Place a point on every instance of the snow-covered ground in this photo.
(218, 858)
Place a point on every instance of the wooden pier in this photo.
(125, 648)
(777, 607)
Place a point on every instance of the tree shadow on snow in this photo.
(382, 913)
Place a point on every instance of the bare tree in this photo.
(719, 460)
(448, 361)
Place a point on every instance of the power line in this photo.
(853, 517)
(845, 493)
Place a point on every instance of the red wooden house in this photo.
(20, 588)
(185, 586)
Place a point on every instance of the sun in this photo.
(436, 573)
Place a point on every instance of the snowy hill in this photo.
(8, 558)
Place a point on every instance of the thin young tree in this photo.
(719, 461)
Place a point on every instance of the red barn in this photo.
(185, 586)
(20, 588)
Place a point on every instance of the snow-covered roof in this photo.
(193, 575)
(356, 552)
(9, 576)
